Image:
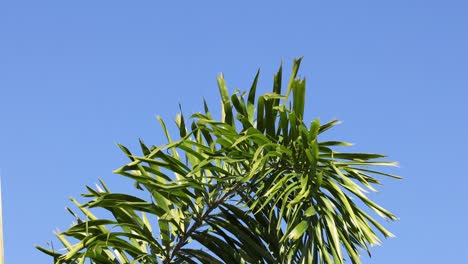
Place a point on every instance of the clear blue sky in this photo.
(78, 76)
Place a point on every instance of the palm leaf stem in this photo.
(183, 239)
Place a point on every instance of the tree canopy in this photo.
(257, 186)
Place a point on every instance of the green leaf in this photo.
(251, 98)
(310, 211)
(260, 114)
(295, 69)
(298, 89)
(298, 230)
(328, 125)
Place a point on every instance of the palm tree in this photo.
(256, 186)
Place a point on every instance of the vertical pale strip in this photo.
(1, 226)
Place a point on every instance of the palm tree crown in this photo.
(256, 186)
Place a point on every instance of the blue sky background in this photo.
(78, 76)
